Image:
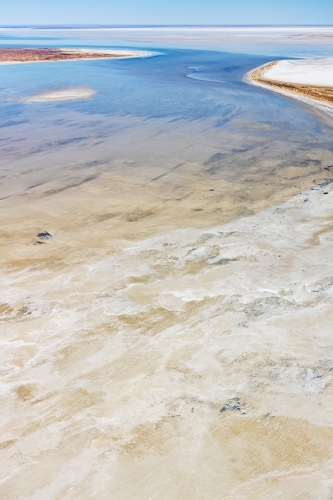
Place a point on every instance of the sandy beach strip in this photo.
(34, 55)
(319, 96)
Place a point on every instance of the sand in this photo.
(150, 309)
(318, 71)
(118, 358)
(42, 55)
(307, 81)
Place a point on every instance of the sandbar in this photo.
(307, 80)
(65, 94)
(33, 55)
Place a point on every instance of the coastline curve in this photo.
(320, 97)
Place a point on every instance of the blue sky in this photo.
(166, 12)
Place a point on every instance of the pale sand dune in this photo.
(67, 94)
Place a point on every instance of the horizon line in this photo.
(72, 25)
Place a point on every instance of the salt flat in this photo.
(293, 79)
(310, 71)
(162, 334)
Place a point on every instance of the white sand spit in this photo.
(314, 71)
(114, 52)
(308, 80)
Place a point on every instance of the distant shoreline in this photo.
(115, 26)
(42, 55)
(318, 96)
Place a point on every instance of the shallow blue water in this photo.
(154, 87)
(177, 86)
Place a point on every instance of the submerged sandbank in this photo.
(308, 80)
(67, 94)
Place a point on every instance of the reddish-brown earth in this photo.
(46, 54)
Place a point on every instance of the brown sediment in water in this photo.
(316, 92)
(99, 202)
(15, 55)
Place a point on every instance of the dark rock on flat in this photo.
(44, 235)
(233, 404)
(325, 183)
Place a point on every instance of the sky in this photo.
(174, 12)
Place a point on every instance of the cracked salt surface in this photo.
(132, 356)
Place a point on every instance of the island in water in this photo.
(309, 80)
(26, 55)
